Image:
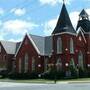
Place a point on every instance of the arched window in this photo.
(59, 45)
(72, 63)
(45, 64)
(26, 63)
(0, 48)
(80, 60)
(59, 64)
(71, 46)
(33, 64)
(20, 65)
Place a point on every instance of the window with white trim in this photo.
(80, 60)
(59, 45)
(72, 63)
(20, 65)
(33, 64)
(0, 48)
(71, 46)
(45, 64)
(26, 63)
(59, 64)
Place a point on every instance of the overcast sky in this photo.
(37, 17)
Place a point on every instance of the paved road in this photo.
(59, 86)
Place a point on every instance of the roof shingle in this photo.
(64, 23)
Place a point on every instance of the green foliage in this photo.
(32, 75)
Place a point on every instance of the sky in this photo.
(37, 17)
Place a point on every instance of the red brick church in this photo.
(65, 48)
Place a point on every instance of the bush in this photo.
(4, 73)
(53, 74)
(32, 75)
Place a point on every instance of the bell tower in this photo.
(83, 15)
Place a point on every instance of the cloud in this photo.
(54, 2)
(15, 40)
(18, 26)
(49, 26)
(1, 11)
(18, 11)
(15, 29)
(74, 16)
(88, 12)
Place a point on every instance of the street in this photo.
(58, 86)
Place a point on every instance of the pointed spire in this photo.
(84, 21)
(83, 15)
(64, 23)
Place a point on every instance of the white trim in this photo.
(80, 29)
(20, 46)
(32, 43)
(0, 49)
(59, 45)
(71, 46)
(45, 64)
(33, 64)
(82, 32)
(81, 60)
(64, 33)
(20, 65)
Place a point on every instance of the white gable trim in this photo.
(3, 47)
(31, 42)
(82, 32)
(19, 46)
(80, 29)
(64, 33)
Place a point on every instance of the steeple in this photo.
(84, 21)
(83, 15)
(64, 23)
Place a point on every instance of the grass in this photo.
(44, 81)
(27, 81)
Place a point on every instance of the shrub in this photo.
(32, 75)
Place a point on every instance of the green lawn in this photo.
(43, 81)
(28, 81)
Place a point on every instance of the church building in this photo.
(66, 49)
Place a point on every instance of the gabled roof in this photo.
(64, 23)
(48, 45)
(85, 24)
(83, 13)
(43, 44)
(17, 46)
(38, 42)
(81, 31)
(10, 47)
